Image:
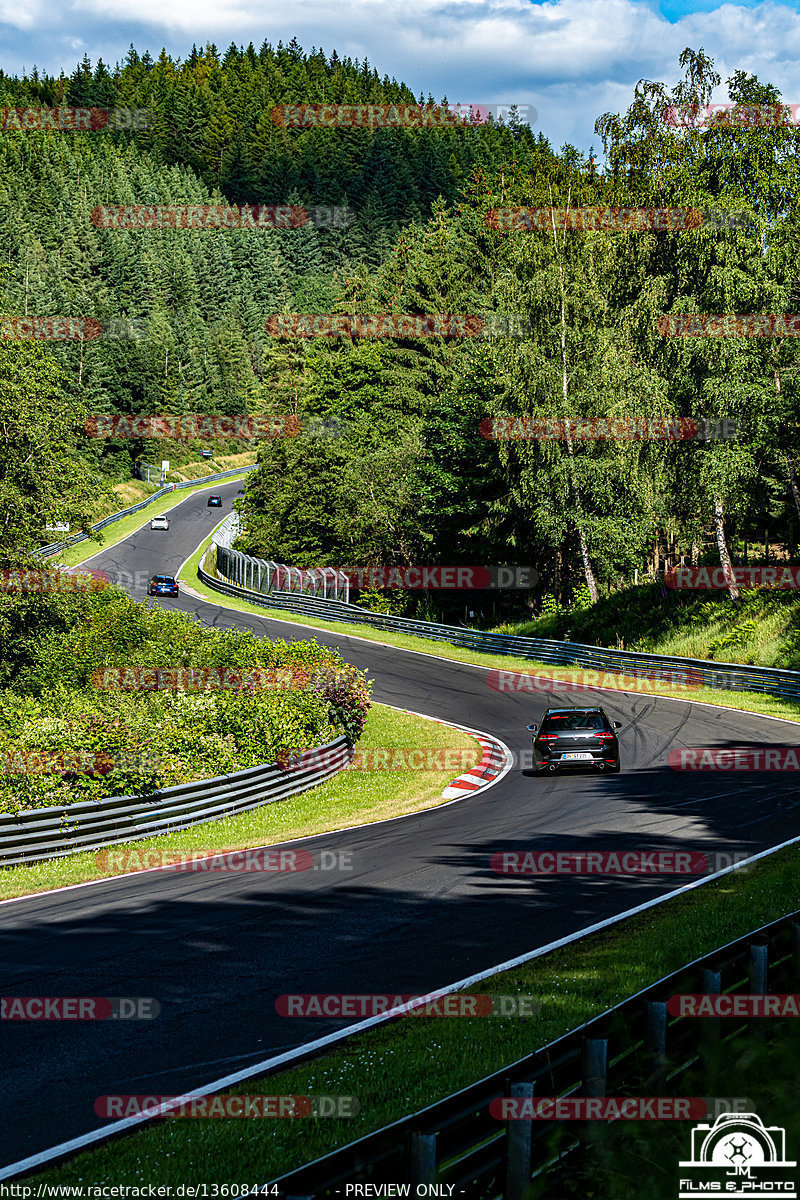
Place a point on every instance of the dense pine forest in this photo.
(404, 473)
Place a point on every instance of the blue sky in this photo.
(571, 59)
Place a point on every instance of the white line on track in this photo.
(86, 1140)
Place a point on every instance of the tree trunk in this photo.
(789, 455)
(793, 480)
(724, 556)
(587, 565)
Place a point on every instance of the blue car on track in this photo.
(163, 585)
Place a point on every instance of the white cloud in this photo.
(572, 59)
(28, 17)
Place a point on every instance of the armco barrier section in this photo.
(267, 577)
(726, 676)
(55, 547)
(634, 1049)
(44, 833)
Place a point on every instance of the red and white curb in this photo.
(497, 759)
(485, 772)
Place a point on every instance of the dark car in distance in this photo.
(163, 585)
(575, 737)
(214, 502)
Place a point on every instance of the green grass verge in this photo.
(73, 556)
(741, 701)
(351, 797)
(401, 1067)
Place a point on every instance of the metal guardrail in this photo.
(682, 671)
(635, 1048)
(55, 547)
(44, 833)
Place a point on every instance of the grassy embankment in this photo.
(764, 629)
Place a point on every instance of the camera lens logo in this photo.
(737, 1155)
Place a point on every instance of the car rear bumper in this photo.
(599, 760)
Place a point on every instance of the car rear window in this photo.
(574, 722)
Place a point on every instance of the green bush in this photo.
(73, 729)
(389, 602)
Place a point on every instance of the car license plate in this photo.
(575, 755)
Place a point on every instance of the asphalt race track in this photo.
(420, 908)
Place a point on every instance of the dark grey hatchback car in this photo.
(575, 737)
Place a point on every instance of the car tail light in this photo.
(547, 737)
(605, 735)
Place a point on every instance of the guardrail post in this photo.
(656, 1041)
(757, 974)
(422, 1158)
(519, 1141)
(595, 1066)
(758, 968)
(709, 1026)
